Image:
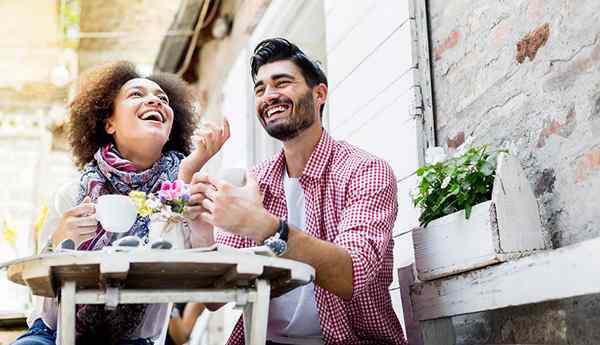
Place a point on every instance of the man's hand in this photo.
(238, 210)
(207, 140)
(78, 224)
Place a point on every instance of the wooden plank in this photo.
(342, 16)
(408, 215)
(438, 332)
(127, 296)
(241, 271)
(390, 123)
(260, 313)
(365, 38)
(562, 273)
(39, 279)
(371, 78)
(67, 314)
(375, 106)
(411, 324)
(517, 212)
(421, 53)
(169, 270)
(404, 255)
(453, 244)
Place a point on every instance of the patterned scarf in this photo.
(110, 173)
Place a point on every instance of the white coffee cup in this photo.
(115, 212)
(234, 176)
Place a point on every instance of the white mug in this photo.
(115, 212)
(234, 176)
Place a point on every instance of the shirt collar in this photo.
(314, 169)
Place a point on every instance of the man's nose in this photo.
(270, 94)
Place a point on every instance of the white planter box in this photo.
(505, 227)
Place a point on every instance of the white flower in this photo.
(446, 182)
(153, 203)
(435, 155)
(465, 145)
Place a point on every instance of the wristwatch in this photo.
(278, 242)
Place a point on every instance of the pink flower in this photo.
(170, 191)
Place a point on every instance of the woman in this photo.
(183, 319)
(127, 133)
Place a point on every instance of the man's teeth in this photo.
(274, 110)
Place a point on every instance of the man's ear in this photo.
(109, 127)
(320, 94)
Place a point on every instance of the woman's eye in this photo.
(164, 99)
(136, 94)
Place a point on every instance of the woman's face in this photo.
(142, 118)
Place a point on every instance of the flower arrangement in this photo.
(171, 198)
(456, 183)
(165, 210)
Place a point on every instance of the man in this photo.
(332, 205)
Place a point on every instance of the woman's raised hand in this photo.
(78, 224)
(207, 140)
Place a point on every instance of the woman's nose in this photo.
(152, 100)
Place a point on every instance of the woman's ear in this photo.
(109, 127)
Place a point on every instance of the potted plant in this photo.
(477, 209)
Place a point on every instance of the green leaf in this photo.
(468, 211)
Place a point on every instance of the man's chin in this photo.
(282, 132)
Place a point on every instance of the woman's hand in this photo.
(78, 224)
(202, 232)
(208, 140)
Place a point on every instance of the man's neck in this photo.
(298, 150)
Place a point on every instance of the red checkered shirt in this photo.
(350, 201)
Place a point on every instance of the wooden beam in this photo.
(562, 273)
(421, 49)
(157, 296)
(406, 278)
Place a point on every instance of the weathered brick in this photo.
(532, 42)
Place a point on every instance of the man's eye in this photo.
(283, 83)
(258, 91)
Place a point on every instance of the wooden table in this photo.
(161, 276)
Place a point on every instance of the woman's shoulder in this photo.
(66, 196)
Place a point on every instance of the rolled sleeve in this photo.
(367, 221)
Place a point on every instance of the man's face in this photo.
(285, 104)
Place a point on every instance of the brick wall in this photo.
(526, 75)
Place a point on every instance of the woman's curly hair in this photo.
(94, 103)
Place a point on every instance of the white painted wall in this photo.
(368, 46)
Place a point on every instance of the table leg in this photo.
(256, 315)
(67, 313)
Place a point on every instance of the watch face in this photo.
(278, 246)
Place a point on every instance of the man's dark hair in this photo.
(277, 49)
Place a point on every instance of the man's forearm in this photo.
(332, 263)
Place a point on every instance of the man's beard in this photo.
(300, 119)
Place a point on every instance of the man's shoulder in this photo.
(262, 169)
(350, 158)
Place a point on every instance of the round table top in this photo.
(156, 269)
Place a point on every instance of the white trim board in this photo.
(562, 273)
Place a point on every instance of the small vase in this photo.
(171, 229)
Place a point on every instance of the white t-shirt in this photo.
(293, 317)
